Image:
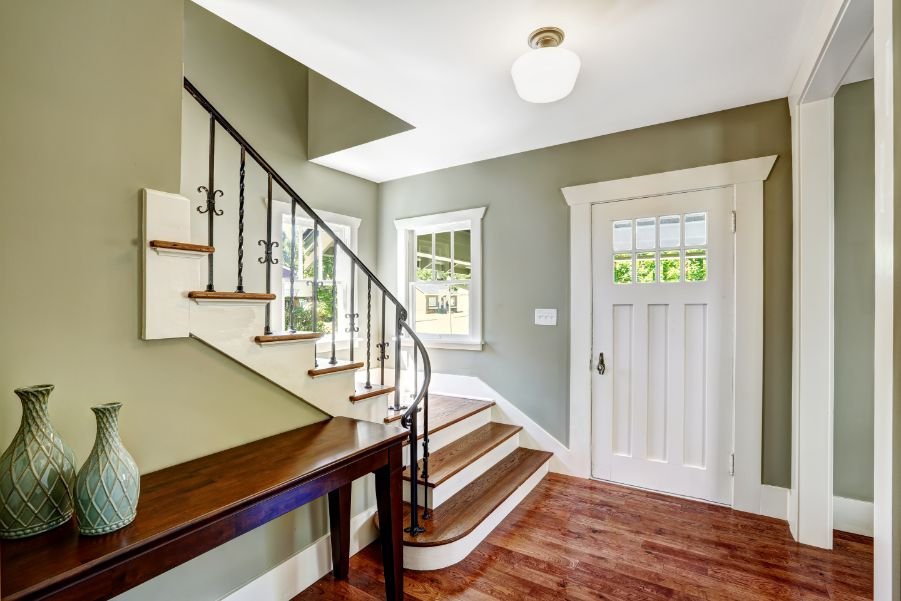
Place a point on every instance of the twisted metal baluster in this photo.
(427, 511)
(267, 258)
(293, 264)
(368, 334)
(211, 194)
(334, 360)
(382, 346)
(315, 284)
(241, 175)
(353, 329)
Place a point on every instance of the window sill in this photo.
(455, 345)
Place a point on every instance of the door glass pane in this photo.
(622, 235)
(646, 233)
(424, 257)
(462, 255)
(670, 264)
(646, 267)
(443, 256)
(696, 265)
(622, 268)
(696, 229)
(670, 234)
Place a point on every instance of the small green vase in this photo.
(108, 484)
(37, 472)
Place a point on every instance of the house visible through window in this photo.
(441, 255)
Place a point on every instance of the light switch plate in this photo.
(545, 317)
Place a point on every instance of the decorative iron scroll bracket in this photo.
(210, 201)
(267, 254)
(353, 316)
(383, 355)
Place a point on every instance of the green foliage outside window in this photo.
(696, 265)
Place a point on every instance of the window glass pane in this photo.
(622, 268)
(458, 309)
(622, 235)
(646, 267)
(670, 264)
(696, 229)
(432, 309)
(646, 233)
(670, 236)
(696, 265)
(443, 256)
(424, 257)
(327, 256)
(462, 255)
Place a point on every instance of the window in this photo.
(299, 252)
(440, 268)
(668, 249)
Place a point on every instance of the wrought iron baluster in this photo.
(414, 527)
(267, 259)
(334, 359)
(211, 193)
(241, 175)
(368, 334)
(383, 346)
(291, 321)
(353, 329)
(315, 283)
(397, 331)
(427, 511)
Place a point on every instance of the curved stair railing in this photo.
(420, 397)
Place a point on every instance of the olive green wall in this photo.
(526, 252)
(855, 179)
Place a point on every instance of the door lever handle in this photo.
(602, 367)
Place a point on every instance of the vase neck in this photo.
(34, 406)
(107, 423)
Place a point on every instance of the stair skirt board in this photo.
(444, 491)
(445, 436)
(441, 556)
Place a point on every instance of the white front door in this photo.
(663, 315)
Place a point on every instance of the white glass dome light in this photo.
(547, 73)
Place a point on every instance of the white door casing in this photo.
(662, 411)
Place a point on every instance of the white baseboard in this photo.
(774, 502)
(286, 580)
(851, 515)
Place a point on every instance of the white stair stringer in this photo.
(444, 491)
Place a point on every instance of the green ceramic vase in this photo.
(37, 472)
(108, 484)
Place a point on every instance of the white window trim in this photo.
(466, 218)
(282, 208)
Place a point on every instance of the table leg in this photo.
(339, 521)
(389, 497)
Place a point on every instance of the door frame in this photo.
(746, 179)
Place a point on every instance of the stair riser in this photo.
(471, 472)
(447, 435)
(442, 556)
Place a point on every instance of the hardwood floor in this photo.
(577, 539)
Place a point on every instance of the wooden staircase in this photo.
(464, 475)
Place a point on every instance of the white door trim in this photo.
(843, 30)
(746, 177)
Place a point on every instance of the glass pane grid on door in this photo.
(665, 249)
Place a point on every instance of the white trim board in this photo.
(849, 515)
(746, 177)
(292, 576)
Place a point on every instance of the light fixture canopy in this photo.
(547, 73)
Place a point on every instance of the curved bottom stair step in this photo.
(466, 519)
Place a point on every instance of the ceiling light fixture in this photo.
(547, 73)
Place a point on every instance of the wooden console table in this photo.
(188, 509)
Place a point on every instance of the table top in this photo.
(185, 495)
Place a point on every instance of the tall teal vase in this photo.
(37, 471)
(108, 485)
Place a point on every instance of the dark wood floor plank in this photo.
(584, 540)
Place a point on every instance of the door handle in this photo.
(602, 367)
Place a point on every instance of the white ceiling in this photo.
(445, 66)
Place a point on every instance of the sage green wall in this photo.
(526, 252)
(855, 179)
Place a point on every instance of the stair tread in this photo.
(184, 246)
(450, 460)
(463, 512)
(204, 294)
(326, 368)
(445, 411)
(287, 337)
(361, 393)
